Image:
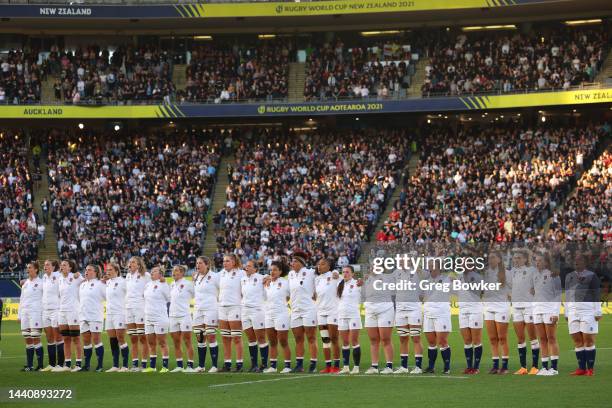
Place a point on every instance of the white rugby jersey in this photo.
(135, 284)
(302, 288)
(348, 304)
(31, 295)
(92, 294)
(378, 300)
(581, 290)
(50, 299)
(547, 298)
(69, 293)
(252, 289)
(470, 301)
(521, 283)
(156, 299)
(181, 293)
(229, 287)
(437, 302)
(206, 292)
(115, 296)
(407, 300)
(276, 297)
(327, 297)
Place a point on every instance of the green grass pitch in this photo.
(303, 390)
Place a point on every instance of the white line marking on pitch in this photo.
(337, 376)
(301, 377)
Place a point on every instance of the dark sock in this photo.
(554, 363)
(143, 363)
(496, 363)
(114, 345)
(432, 355)
(253, 354)
(190, 364)
(580, 356)
(78, 362)
(504, 363)
(299, 362)
(418, 360)
(135, 362)
(328, 363)
(287, 363)
(202, 355)
(153, 361)
(39, 355)
(165, 361)
(214, 354)
(336, 363)
(477, 356)
(263, 351)
(179, 362)
(346, 354)
(590, 358)
(60, 352)
(52, 352)
(446, 357)
(87, 352)
(100, 355)
(29, 356)
(535, 357)
(389, 364)
(68, 363)
(404, 360)
(273, 363)
(356, 355)
(545, 363)
(313, 364)
(227, 365)
(239, 364)
(522, 352)
(468, 350)
(125, 354)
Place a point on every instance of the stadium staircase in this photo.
(179, 76)
(218, 202)
(48, 248)
(297, 78)
(418, 78)
(367, 246)
(47, 94)
(605, 75)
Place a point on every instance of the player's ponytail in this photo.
(340, 289)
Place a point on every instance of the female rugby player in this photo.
(379, 319)
(471, 321)
(253, 316)
(583, 312)
(437, 320)
(30, 314)
(349, 319)
(303, 310)
(409, 320)
(50, 303)
(277, 315)
(497, 312)
(115, 317)
(326, 285)
(136, 280)
(68, 320)
(206, 320)
(230, 323)
(181, 293)
(92, 294)
(546, 309)
(156, 298)
(522, 310)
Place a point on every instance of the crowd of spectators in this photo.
(321, 191)
(18, 222)
(95, 74)
(338, 71)
(586, 216)
(20, 77)
(515, 61)
(113, 197)
(490, 184)
(220, 74)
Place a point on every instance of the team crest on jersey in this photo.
(444, 327)
(304, 273)
(208, 277)
(329, 278)
(182, 286)
(155, 287)
(138, 277)
(283, 325)
(439, 280)
(116, 284)
(524, 273)
(92, 285)
(234, 273)
(280, 284)
(313, 322)
(54, 278)
(120, 324)
(475, 323)
(36, 324)
(255, 280)
(36, 285)
(236, 316)
(70, 280)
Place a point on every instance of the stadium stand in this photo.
(543, 59)
(498, 183)
(18, 222)
(113, 197)
(585, 216)
(20, 77)
(321, 192)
